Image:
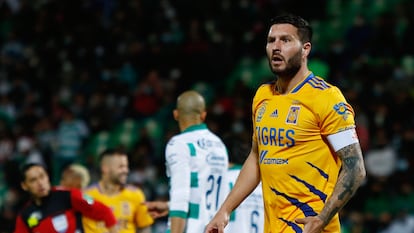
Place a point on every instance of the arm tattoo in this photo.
(350, 177)
(349, 164)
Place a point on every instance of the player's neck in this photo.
(285, 84)
(187, 124)
(37, 201)
(109, 188)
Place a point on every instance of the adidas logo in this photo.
(274, 113)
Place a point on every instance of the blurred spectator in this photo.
(27, 152)
(148, 94)
(6, 146)
(403, 223)
(377, 207)
(381, 162)
(71, 134)
(403, 200)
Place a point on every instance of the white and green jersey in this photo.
(248, 217)
(196, 162)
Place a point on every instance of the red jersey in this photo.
(61, 211)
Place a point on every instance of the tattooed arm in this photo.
(350, 177)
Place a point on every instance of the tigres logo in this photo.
(293, 114)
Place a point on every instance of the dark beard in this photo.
(292, 67)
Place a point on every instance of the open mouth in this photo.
(277, 59)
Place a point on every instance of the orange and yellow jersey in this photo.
(127, 207)
(298, 167)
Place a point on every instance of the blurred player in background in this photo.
(196, 161)
(57, 210)
(248, 217)
(305, 149)
(75, 176)
(124, 200)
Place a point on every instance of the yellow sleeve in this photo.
(90, 225)
(334, 112)
(142, 218)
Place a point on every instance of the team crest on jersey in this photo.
(342, 109)
(293, 114)
(260, 111)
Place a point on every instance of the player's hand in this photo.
(217, 224)
(311, 224)
(157, 209)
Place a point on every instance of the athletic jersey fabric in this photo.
(196, 161)
(298, 168)
(61, 211)
(127, 207)
(248, 217)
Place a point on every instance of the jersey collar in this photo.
(195, 127)
(300, 85)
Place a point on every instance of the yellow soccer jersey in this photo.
(127, 207)
(297, 166)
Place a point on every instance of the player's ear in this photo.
(306, 48)
(24, 186)
(203, 115)
(104, 166)
(175, 114)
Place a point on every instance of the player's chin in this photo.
(123, 179)
(42, 192)
(277, 69)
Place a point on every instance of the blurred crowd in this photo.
(71, 71)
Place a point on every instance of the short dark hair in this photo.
(304, 29)
(110, 152)
(25, 167)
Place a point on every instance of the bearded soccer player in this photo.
(57, 210)
(126, 201)
(305, 149)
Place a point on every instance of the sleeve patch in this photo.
(343, 109)
(88, 199)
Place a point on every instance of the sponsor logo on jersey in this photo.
(274, 113)
(260, 111)
(205, 143)
(262, 155)
(216, 160)
(274, 161)
(293, 114)
(264, 160)
(342, 109)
